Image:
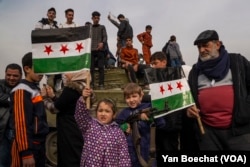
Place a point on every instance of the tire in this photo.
(51, 148)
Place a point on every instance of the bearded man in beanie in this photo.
(220, 84)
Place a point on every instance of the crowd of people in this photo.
(102, 57)
(109, 138)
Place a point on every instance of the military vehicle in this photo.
(115, 79)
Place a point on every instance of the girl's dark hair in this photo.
(109, 102)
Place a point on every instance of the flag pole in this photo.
(88, 86)
(200, 125)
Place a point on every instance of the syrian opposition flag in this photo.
(61, 50)
(170, 96)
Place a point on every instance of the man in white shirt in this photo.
(69, 14)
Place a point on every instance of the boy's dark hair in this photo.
(14, 66)
(172, 38)
(148, 27)
(52, 9)
(69, 10)
(109, 102)
(95, 13)
(129, 37)
(87, 23)
(158, 56)
(27, 61)
(120, 16)
(132, 88)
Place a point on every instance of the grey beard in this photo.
(209, 57)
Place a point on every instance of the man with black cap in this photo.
(48, 23)
(220, 84)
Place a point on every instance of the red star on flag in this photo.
(48, 49)
(179, 85)
(79, 47)
(64, 49)
(170, 87)
(162, 90)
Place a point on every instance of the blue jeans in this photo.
(5, 149)
(175, 62)
(123, 42)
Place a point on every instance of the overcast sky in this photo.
(183, 18)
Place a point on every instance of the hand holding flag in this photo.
(193, 112)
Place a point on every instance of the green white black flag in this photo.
(61, 50)
(170, 96)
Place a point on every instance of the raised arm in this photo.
(114, 22)
(82, 116)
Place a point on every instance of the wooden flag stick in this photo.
(88, 86)
(200, 125)
(199, 122)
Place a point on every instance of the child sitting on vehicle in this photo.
(129, 59)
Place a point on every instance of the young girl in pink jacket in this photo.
(104, 142)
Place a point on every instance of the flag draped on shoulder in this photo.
(61, 50)
(170, 96)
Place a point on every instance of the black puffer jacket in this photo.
(4, 93)
(45, 21)
(4, 106)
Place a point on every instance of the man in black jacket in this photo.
(49, 22)
(220, 84)
(99, 40)
(125, 31)
(13, 74)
